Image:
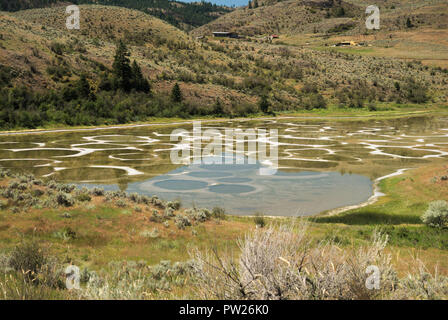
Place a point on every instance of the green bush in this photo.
(64, 199)
(437, 214)
(182, 222)
(219, 213)
(175, 205)
(259, 220)
(84, 197)
(29, 258)
(121, 203)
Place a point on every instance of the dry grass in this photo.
(281, 264)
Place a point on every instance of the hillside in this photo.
(180, 14)
(107, 23)
(216, 76)
(16, 5)
(327, 16)
(290, 16)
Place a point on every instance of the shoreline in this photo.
(374, 198)
(301, 116)
(331, 212)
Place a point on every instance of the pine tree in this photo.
(264, 104)
(82, 87)
(121, 68)
(139, 82)
(255, 4)
(176, 93)
(217, 108)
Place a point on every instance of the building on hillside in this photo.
(225, 34)
(345, 44)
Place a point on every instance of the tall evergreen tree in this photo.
(122, 68)
(139, 81)
(218, 108)
(264, 104)
(176, 93)
(83, 88)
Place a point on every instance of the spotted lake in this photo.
(322, 164)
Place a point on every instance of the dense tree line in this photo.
(176, 13)
(16, 5)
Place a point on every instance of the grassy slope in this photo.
(105, 232)
(424, 41)
(291, 17)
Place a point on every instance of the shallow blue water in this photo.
(242, 191)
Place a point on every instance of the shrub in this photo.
(83, 197)
(200, 215)
(314, 101)
(29, 258)
(57, 48)
(182, 222)
(157, 202)
(154, 233)
(66, 215)
(38, 182)
(97, 192)
(121, 203)
(37, 193)
(279, 263)
(64, 199)
(67, 188)
(175, 205)
(135, 197)
(259, 220)
(416, 92)
(437, 214)
(219, 213)
(156, 217)
(169, 213)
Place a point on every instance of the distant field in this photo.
(430, 46)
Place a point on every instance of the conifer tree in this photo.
(121, 68)
(176, 93)
(217, 108)
(139, 81)
(264, 104)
